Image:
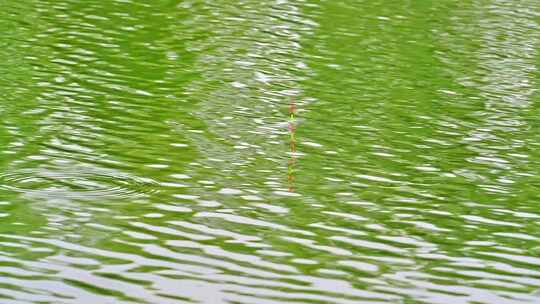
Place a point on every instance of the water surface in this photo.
(149, 154)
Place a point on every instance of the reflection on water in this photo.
(269, 152)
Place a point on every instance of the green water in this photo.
(149, 154)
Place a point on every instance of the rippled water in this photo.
(269, 151)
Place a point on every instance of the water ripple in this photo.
(269, 152)
(75, 184)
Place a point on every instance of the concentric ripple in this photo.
(78, 184)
